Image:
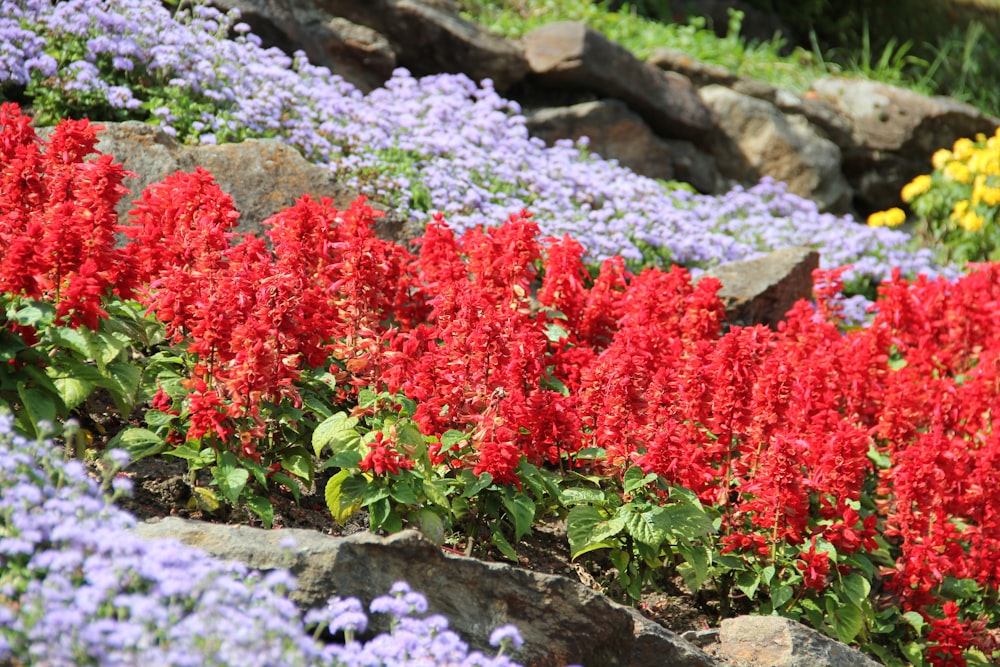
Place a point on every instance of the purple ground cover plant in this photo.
(439, 143)
(76, 588)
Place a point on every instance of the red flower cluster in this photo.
(507, 338)
(57, 218)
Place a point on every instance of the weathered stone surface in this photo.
(760, 141)
(571, 54)
(614, 133)
(893, 133)
(355, 52)
(263, 176)
(562, 622)
(617, 133)
(760, 291)
(655, 646)
(772, 641)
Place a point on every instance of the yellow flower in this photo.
(958, 172)
(942, 157)
(972, 222)
(888, 218)
(987, 194)
(915, 188)
(961, 206)
(963, 148)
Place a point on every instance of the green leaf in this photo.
(698, 559)
(521, 510)
(408, 434)
(262, 507)
(587, 529)
(33, 314)
(450, 438)
(336, 432)
(109, 345)
(81, 340)
(436, 492)
(643, 525)
(203, 499)
(634, 479)
(73, 391)
(856, 589)
(576, 495)
(289, 483)
(555, 332)
(40, 405)
(685, 521)
(231, 478)
(430, 525)
(298, 462)
(138, 442)
(348, 459)
(780, 595)
(473, 484)
(748, 582)
(503, 546)
(192, 455)
(846, 618)
(378, 512)
(402, 492)
(342, 502)
(915, 620)
(123, 383)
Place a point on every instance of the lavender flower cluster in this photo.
(440, 143)
(76, 589)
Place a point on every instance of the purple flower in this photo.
(506, 636)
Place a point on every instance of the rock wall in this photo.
(562, 621)
(848, 144)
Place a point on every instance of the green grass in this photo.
(911, 50)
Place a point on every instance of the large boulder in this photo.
(570, 54)
(615, 132)
(759, 140)
(363, 40)
(562, 622)
(430, 37)
(263, 176)
(351, 50)
(894, 131)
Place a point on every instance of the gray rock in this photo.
(355, 52)
(614, 133)
(759, 140)
(772, 641)
(760, 291)
(617, 133)
(562, 622)
(430, 37)
(570, 54)
(894, 132)
(263, 176)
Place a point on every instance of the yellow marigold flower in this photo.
(963, 148)
(943, 156)
(961, 206)
(972, 222)
(915, 188)
(987, 194)
(888, 218)
(980, 137)
(958, 172)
